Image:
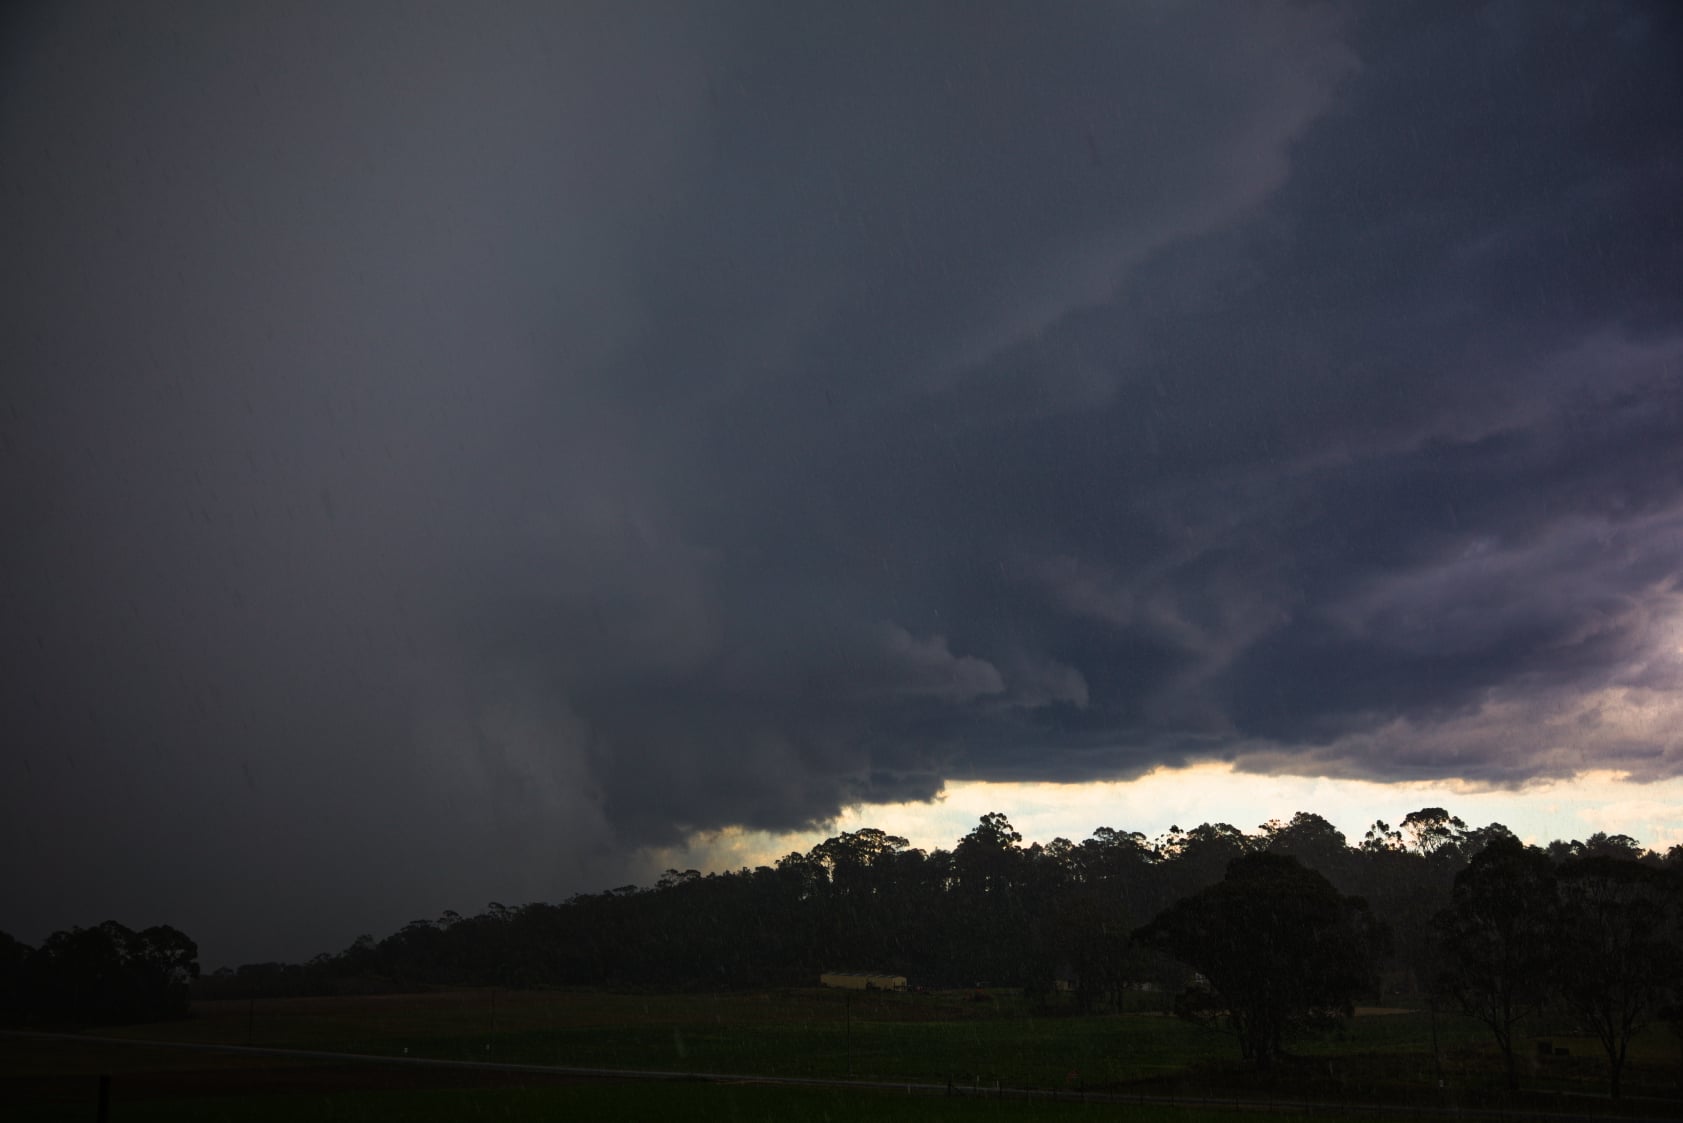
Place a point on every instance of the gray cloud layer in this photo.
(446, 449)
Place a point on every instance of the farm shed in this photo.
(854, 980)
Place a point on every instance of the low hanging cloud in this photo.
(926, 668)
(448, 455)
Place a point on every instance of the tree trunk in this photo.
(1615, 1066)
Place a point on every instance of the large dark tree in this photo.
(14, 954)
(1432, 831)
(989, 908)
(1278, 945)
(111, 974)
(1314, 842)
(1498, 938)
(1617, 960)
(1111, 890)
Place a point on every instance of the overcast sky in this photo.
(455, 452)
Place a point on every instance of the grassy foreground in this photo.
(1384, 1057)
(662, 1102)
(818, 1033)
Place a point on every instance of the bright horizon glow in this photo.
(1572, 808)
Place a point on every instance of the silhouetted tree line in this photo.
(98, 976)
(1595, 932)
(1263, 933)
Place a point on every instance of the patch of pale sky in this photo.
(1539, 813)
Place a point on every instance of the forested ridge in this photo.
(1263, 931)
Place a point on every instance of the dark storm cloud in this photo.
(446, 450)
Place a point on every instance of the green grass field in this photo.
(791, 1033)
(625, 1102)
(1377, 1058)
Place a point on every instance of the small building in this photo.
(858, 980)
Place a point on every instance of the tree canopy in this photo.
(1277, 947)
